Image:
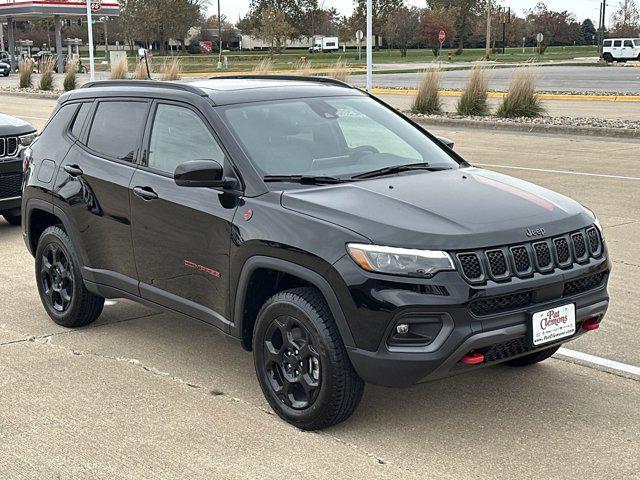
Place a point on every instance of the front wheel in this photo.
(532, 358)
(59, 280)
(301, 362)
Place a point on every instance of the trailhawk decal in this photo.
(201, 268)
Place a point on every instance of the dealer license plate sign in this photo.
(554, 324)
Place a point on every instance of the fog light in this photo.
(402, 328)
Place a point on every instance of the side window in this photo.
(116, 129)
(178, 135)
(617, 43)
(58, 124)
(81, 117)
(637, 42)
(628, 43)
(607, 43)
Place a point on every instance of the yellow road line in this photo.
(544, 96)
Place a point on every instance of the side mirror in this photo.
(446, 142)
(200, 173)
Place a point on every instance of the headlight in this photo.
(26, 140)
(400, 261)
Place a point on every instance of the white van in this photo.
(621, 49)
(325, 45)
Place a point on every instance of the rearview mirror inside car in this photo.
(200, 173)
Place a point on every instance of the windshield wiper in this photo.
(304, 179)
(399, 168)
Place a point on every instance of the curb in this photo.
(543, 96)
(39, 96)
(529, 128)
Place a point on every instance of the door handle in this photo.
(145, 193)
(73, 170)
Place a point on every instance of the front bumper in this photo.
(10, 185)
(499, 336)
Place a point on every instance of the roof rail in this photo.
(329, 80)
(146, 83)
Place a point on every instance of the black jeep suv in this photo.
(15, 135)
(335, 238)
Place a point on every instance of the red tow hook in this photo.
(591, 324)
(472, 358)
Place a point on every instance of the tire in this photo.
(59, 280)
(607, 57)
(13, 219)
(532, 358)
(324, 389)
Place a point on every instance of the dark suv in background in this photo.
(15, 135)
(321, 229)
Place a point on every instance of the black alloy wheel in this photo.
(292, 362)
(57, 278)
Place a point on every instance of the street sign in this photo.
(96, 5)
(442, 36)
(359, 35)
(539, 37)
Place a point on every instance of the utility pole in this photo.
(506, 18)
(603, 25)
(487, 53)
(106, 40)
(92, 63)
(369, 45)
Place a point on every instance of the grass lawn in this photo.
(290, 59)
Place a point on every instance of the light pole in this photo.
(369, 46)
(92, 65)
(219, 38)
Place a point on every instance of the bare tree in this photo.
(402, 28)
(275, 29)
(626, 20)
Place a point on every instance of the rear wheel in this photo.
(62, 291)
(532, 358)
(13, 219)
(301, 362)
(607, 57)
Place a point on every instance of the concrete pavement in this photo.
(144, 394)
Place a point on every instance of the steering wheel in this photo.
(363, 150)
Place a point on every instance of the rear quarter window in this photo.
(607, 43)
(116, 129)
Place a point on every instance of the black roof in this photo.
(226, 90)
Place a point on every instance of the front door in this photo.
(181, 235)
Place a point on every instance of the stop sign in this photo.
(442, 36)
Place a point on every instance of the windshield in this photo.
(337, 137)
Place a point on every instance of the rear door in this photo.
(92, 188)
(181, 235)
(617, 49)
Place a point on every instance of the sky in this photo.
(581, 8)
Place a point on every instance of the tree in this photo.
(555, 26)
(434, 20)
(466, 14)
(587, 31)
(402, 28)
(626, 19)
(275, 29)
(380, 10)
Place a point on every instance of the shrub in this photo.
(171, 70)
(521, 100)
(47, 66)
(264, 66)
(25, 72)
(70, 77)
(119, 69)
(141, 72)
(427, 100)
(474, 98)
(339, 71)
(302, 68)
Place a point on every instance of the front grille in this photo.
(497, 263)
(595, 244)
(583, 284)
(8, 146)
(470, 266)
(489, 306)
(563, 254)
(503, 262)
(10, 185)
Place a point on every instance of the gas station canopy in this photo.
(23, 9)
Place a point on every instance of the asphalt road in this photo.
(144, 394)
(614, 79)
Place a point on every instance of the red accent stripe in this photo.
(517, 192)
(56, 4)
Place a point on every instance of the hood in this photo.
(14, 126)
(448, 210)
